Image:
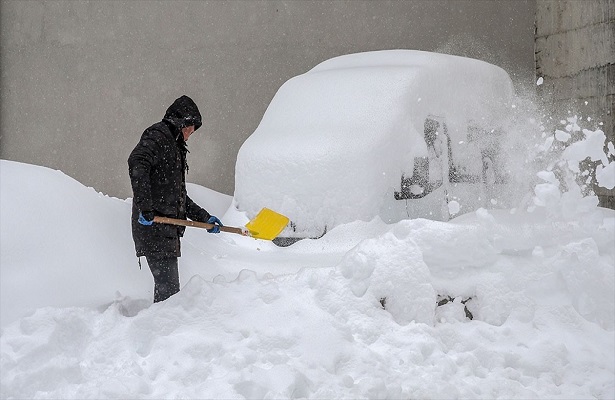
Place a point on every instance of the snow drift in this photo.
(350, 315)
(508, 303)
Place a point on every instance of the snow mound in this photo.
(53, 230)
(334, 142)
(397, 277)
(66, 244)
(513, 303)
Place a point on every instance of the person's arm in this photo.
(195, 212)
(140, 162)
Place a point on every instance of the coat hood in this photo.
(184, 112)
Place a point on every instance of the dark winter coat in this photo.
(157, 168)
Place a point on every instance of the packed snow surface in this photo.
(350, 315)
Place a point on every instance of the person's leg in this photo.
(166, 277)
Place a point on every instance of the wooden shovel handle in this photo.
(204, 225)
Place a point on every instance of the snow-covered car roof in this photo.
(335, 139)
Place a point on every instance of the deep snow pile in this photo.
(512, 303)
(334, 142)
(60, 240)
(257, 321)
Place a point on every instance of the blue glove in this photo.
(214, 220)
(146, 218)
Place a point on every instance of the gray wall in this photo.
(81, 80)
(575, 54)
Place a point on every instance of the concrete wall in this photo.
(575, 54)
(81, 80)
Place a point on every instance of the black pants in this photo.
(166, 277)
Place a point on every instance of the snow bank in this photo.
(397, 277)
(65, 244)
(59, 239)
(514, 303)
(316, 334)
(351, 315)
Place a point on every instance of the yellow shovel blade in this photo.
(267, 224)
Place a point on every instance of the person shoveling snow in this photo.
(157, 168)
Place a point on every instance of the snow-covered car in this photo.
(396, 134)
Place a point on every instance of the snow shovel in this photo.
(266, 225)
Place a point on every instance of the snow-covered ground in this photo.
(256, 321)
(506, 303)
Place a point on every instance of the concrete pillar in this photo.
(575, 55)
